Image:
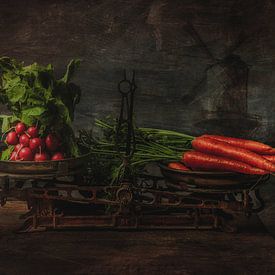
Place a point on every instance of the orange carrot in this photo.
(178, 166)
(271, 158)
(206, 162)
(223, 149)
(250, 145)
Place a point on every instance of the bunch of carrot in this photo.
(204, 153)
(220, 153)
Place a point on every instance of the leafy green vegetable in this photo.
(7, 120)
(36, 97)
(151, 145)
(6, 153)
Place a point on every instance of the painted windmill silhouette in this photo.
(225, 107)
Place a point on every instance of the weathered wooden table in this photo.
(252, 251)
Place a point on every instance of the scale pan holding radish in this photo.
(44, 169)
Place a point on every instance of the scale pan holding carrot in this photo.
(226, 154)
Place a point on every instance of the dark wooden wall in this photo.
(201, 65)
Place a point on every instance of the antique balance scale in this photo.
(60, 195)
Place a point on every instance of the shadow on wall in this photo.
(224, 100)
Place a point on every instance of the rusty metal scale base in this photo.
(55, 204)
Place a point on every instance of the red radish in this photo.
(25, 154)
(52, 142)
(24, 140)
(35, 144)
(250, 145)
(57, 156)
(14, 156)
(20, 128)
(223, 149)
(41, 156)
(206, 162)
(18, 147)
(12, 138)
(178, 166)
(33, 131)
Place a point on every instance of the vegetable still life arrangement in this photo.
(39, 127)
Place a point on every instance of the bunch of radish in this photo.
(28, 145)
(220, 153)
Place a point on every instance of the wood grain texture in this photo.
(153, 37)
(138, 252)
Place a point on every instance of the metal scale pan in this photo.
(211, 181)
(44, 169)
